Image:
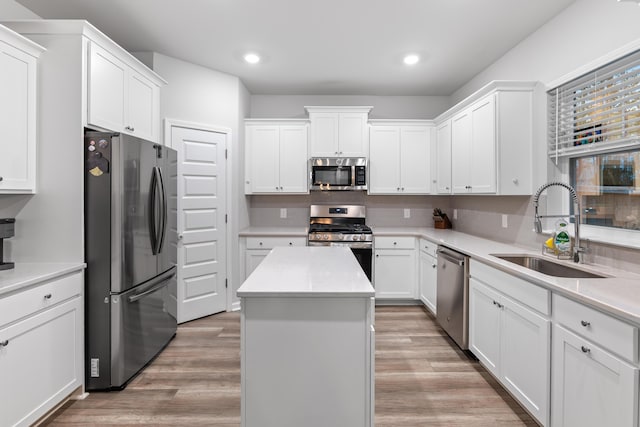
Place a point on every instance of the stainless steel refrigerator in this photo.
(130, 251)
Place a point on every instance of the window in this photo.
(594, 136)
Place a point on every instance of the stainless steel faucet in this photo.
(577, 249)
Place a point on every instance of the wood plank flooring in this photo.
(422, 379)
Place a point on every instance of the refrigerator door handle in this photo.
(154, 229)
(163, 228)
(160, 282)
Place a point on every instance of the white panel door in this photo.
(591, 388)
(264, 158)
(484, 325)
(107, 86)
(461, 153)
(201, 222)
(353, 137)
(483, 146)
(443, 155)
(384, 160)
(525, 358)
(395, 274)
(141, 114)
(415, 160)
(293, 159)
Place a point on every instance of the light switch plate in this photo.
(283, 213)
(505, 222)
(407, 213)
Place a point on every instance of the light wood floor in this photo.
(422, 379)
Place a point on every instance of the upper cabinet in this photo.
(276, 156)
(491, 142)
(400, 157)
(339, 131)
(120, 98)
(18, 62)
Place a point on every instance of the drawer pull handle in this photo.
(4, 343)
(585, 349)
(585, 323)
(47, 296)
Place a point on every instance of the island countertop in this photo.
(323, 271)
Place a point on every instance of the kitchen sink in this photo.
(549, 268)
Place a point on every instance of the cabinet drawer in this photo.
(604, 330)
(387, 242)
(428, 247)
(272, 242)
(526, 293)
(23, 303)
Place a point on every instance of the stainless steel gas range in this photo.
(342, 226)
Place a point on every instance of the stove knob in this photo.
(325, 236)
(340, 237)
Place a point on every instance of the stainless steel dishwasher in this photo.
(452, 297)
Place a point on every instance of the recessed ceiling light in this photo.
(252, 58)
(411, 59)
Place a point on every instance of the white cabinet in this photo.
(339, 131)
(428, 280)
(257, 248)
(394, 274)
(120, 98)
(276, 157)
(509, 337)
(400, 158)
(491, 135)
(18, 62)
(443, 158)
(41, 349)
(595, 375)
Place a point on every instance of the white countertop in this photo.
(24, 275)
(274, 232)
(618, 295)
(303, 271)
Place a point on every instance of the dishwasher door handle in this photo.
(448, 256)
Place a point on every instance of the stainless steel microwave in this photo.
(338, 173)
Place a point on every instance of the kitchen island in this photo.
(307, 340)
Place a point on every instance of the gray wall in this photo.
(384, 107)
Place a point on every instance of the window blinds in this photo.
(598, 112)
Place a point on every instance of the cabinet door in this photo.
(483, 146)
(263, 153)
(107, 81)
(40, 362)
(293, 159)
(415, 159)
(384, 160)
(324, 134)
(484, 325)
(253, 258)
(395, 273)
(428, 281)
(443, 155)
(143, 112)
(353, 135)
(525, 358)
(591, 388)
(461, 152)
(17, 121)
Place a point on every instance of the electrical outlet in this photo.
(455, 214)
(407, 213)
(283, 213)
(505, 222)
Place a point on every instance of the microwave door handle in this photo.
(153, 233)
(163, 204)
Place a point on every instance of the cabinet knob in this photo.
(179, 236)
(129, 128)
(434, 265)
(398, 188)
(4, 343)
(260, 243)
(515, 181)
(585, 349)
(395, 243)
(402, 188)
(281, 188)
(446, 188)
(585, 323)
(47, 296)
(1, 178)
(377, 256)
(336, 152)
(290, 243)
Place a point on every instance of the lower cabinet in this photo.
(427, 282)
(257, 248)
(41, 353)
(395, 274)
(511, 340)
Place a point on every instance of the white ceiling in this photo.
(322, 47)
